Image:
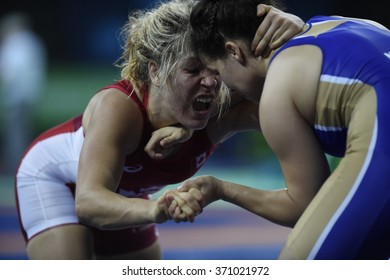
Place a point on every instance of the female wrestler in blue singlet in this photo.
(326, 91)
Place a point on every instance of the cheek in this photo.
(187, 84)
(226, 78)
(233, 80)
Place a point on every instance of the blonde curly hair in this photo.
(161, 34)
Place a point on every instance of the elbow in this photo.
(291, 218)
(90, 213)
(85, 213)
(290, 222)
(295, 215)
(294, 211)
(82, 211)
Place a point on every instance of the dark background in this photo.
(87, 30)
(81, 37)
(82, 44)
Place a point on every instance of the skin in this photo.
(273, 31)
(99, 174)
(276, 28)
(286, 112)
(287, 107)
(116, 121)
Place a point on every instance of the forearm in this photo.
(274, 205)
(108, 210)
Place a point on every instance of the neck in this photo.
(263, 63)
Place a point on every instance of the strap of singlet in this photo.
(145, 95)
(127, 88)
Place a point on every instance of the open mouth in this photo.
(203, 103)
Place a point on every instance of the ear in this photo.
(153, 73)
(235, 52)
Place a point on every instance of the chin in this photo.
(197, 124)
(198, 127)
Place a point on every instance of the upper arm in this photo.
(289, 132)
(114, 130)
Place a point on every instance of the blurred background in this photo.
(57, 54)
(73, 54)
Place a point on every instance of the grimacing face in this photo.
(196, 90)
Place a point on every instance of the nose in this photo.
(209, 80)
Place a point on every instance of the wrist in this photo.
(226, 190)
(157, 215)
(219, 189)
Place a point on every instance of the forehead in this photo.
(191, 61)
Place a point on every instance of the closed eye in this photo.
(192, 71)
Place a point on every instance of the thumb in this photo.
(167, 142)
(185, 187)
(168, 199)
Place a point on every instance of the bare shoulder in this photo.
(113, 102)
(287, 110)
(112, 114)
(293, 77)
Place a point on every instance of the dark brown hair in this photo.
(214, 20)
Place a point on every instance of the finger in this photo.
(263, 36)
(183, 217)
(154, 150)
(259, 43)
(153, 144)
(190, 212)
(187, 185)
(150, 149)
(266, 53)
(197, 194)
(157, 155)
(178, 136)
(281, 38)
(263, 9)
(155, 147)
(172, 208)
(179, 216)
(287, 27)
(192, 199)
(168, 141)
(168, 196)
(188, 205)
(273, 35)
(269, 36)
(158, 152)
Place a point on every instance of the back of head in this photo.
(213, 21)
(160, 34)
